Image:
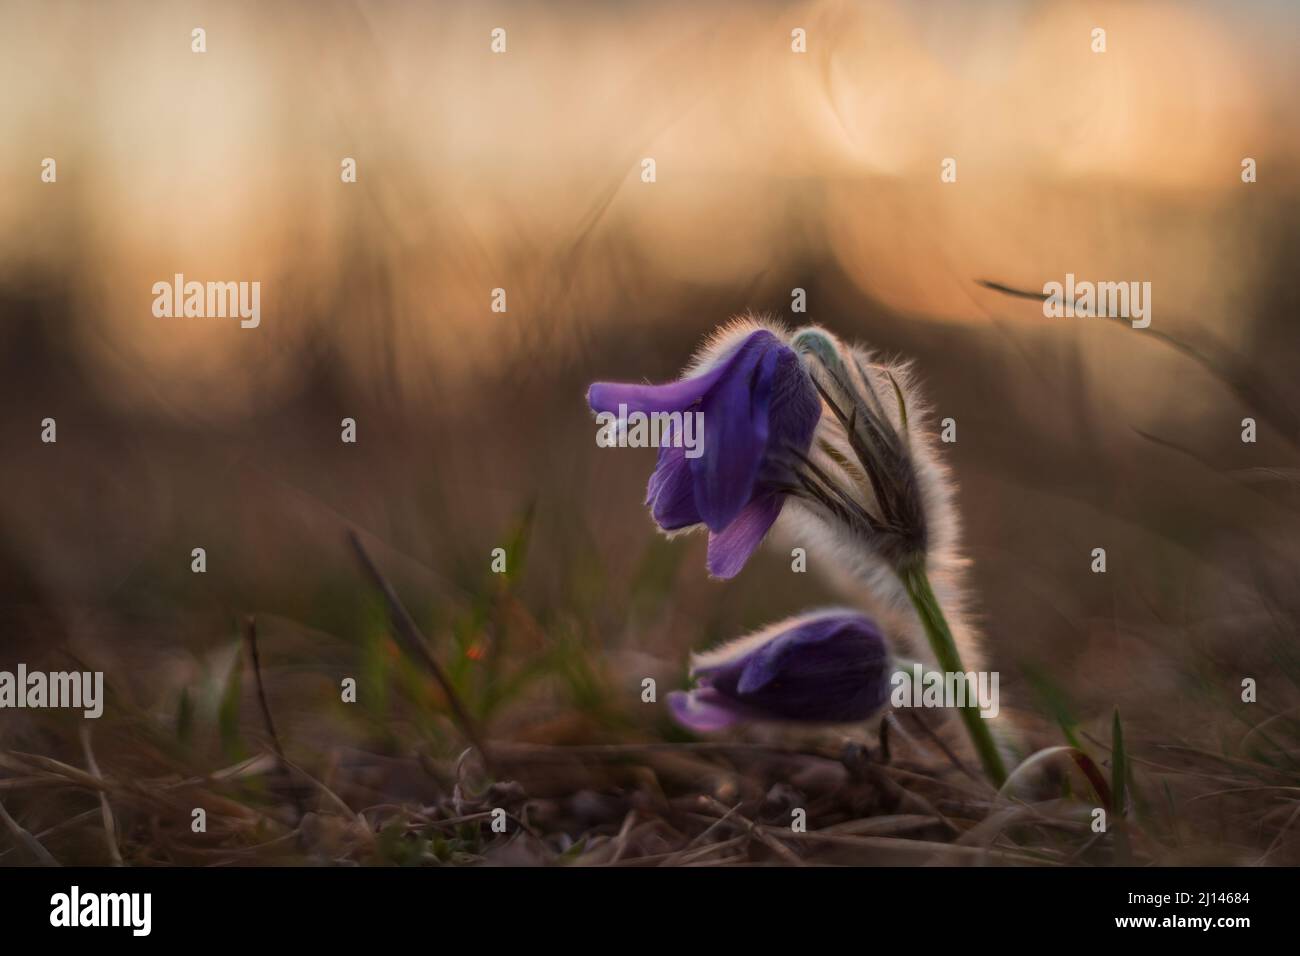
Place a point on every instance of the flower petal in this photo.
(679, 395)
(829, 667)
(796, 406)
(670, 397)
(735, 436)
(704, 709)
(730, 548)
(833, 669)
(801, 651)
(671, 491)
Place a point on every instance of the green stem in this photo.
(945, 651)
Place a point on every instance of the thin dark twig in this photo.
(250, 632)
(61, 827)
(1234, 372)
(939, 742)
(750, 828)
(106, 810)
(412, 641)
(24, 838)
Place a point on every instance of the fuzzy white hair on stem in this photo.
(727, 338)
(881, 500)
(924, 528)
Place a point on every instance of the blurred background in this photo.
(522, 171)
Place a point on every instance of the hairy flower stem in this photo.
(937, 632)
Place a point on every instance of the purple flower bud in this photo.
(872, 475)
(758, 402)
(826, 667)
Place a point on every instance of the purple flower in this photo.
(757, 403)
(828, 667)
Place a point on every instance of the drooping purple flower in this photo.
(757, 403)
(827, 667)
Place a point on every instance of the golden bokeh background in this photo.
(774, 171)
(520, 170)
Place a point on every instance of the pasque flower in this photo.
(864, 474)
(757, 402)
(827, 667)
(872, 479)
(868, 471)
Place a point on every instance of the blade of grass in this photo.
(1118, 787)
(1118, 766)
(412, 641)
